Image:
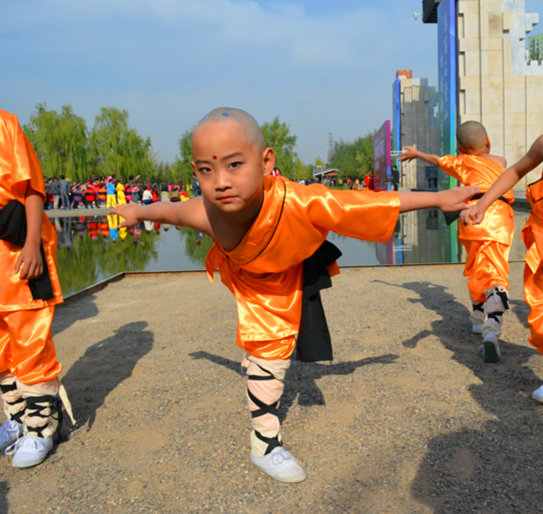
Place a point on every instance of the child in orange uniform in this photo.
(487, 245)
(532, 235)
(264, 228)
(30, 290)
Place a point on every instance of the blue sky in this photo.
(323, 66)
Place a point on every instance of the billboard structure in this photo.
(381, 157)
(447, 71)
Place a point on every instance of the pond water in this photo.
(93, 248)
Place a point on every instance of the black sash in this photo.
(314, 342)
(450, 217)
(13, 230)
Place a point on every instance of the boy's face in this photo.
(228, 165)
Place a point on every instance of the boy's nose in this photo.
(221, 179)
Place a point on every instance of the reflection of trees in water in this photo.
(88, 260)
(197, 245)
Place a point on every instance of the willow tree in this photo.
(60, 140)
(277, 136)
(117, 149)
(183, 167)
(354, 159)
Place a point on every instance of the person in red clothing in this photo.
(264, 228)
(487, 245)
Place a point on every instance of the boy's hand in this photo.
(473, 215)
(454, 199)
(408, 153)
(129, 214)
(29, 262)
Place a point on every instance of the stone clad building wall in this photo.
(498, 85)
(418, 126)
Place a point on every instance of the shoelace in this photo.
(281, 455)
(26, 441)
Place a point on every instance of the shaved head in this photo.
(242, 118)
(471, 135)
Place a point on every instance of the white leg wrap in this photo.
(477, 317)
(497, 299)
(491, 325)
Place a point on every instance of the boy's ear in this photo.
(268, 159)
(193, 166)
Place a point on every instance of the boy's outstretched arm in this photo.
(449, 200)
(410, 152)
(475, 213)
(182, 214)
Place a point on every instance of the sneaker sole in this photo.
(490, 353)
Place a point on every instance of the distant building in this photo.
(535, 48)
(498, 82)
(415, 124)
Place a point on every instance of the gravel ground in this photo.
(407, 418)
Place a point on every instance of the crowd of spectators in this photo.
(108, 192)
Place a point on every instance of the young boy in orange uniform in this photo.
(487, 245)
(30, 290)
(532, 235)
(264, 228)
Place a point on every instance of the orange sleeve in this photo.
(452, 166)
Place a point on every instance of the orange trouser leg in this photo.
(487, 264)
(27, 350)
(533, 294)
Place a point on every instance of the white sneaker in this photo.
(491, 348)
(477, 328)
(538, 394)
(29, 451)
(281, 465)
(10, 431)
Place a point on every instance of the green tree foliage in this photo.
(355, 159)
(116, 148)
(60, 140)
(182, 166)
(277, 136)
(300, 170)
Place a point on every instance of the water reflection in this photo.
(92, 248)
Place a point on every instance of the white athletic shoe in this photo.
(538, 394)
(280, 465)
(491, 348)
(477, 328)
(29, 451)
(10, 431)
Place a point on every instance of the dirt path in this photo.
(406, 419)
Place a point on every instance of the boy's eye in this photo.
(203, 169)
(235, 164)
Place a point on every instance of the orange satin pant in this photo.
(27, 350)
(533, 294)
(487, 264)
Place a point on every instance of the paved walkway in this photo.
(407, 418)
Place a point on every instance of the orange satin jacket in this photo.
(475, 170)
(265, 270)
(532, 233)
(19, 166)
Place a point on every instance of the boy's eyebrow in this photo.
(225, 158)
